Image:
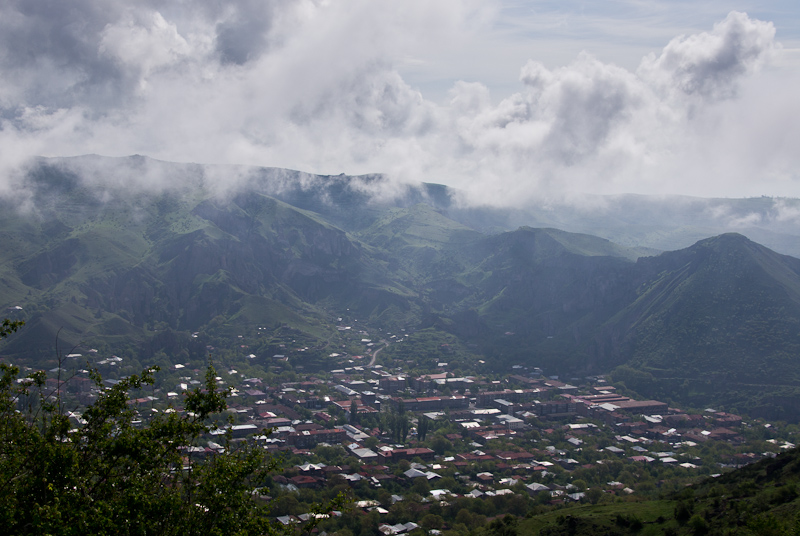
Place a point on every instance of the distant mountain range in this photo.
(116, 252)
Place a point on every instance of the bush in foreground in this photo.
(115, 475)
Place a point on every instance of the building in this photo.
(555, 408)
(407, 454)
(426, 383)
(392, 384)
(312, 438)
(644, 407)
(487, 398)
(430, 403)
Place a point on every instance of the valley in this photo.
(444, 442)
(135, 271)
(441, 375)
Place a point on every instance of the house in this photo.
(416, 473)
(723, 434)
(485, 478)
(312, 468)
(243, 430)
(727, 419)
(512, 423)
(515, 456)
(535, 488)
(400, 528)
(407, 454)
(305, 481)
(440, 494)
(364, 454)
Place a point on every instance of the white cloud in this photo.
(317, 86)
(144, 46)
(709, 64)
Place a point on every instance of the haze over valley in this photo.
(461, 268)
(138, 271)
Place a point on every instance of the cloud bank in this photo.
(316, 85)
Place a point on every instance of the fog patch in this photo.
(314, 86)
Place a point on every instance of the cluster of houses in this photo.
(304, 414)
(345, 407)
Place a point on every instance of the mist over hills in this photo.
(134, 255)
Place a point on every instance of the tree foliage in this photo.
(9, 326)
(116, 474)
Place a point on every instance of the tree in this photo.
(698, 524)
(465, 517)
(593, 495)
(432, 521)
(110, 475)
(8, 327)
(580, 484)
(421, 486)
(382, 418)
(422, 428)
(353, 412)
(113, 475)
(440, 444)
(506, 526)
(683, 512)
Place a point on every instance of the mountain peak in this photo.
(726, 240)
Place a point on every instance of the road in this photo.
(375, 353)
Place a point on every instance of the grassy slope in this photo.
(633, 517)
(760, 499)
(722, 316)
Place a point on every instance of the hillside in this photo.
(114, 271)
(716, 321)
(758, 499)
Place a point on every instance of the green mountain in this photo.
(656, 222)
(121, 268)
(140, 257)
(718, 320)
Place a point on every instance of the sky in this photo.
(509, 101)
